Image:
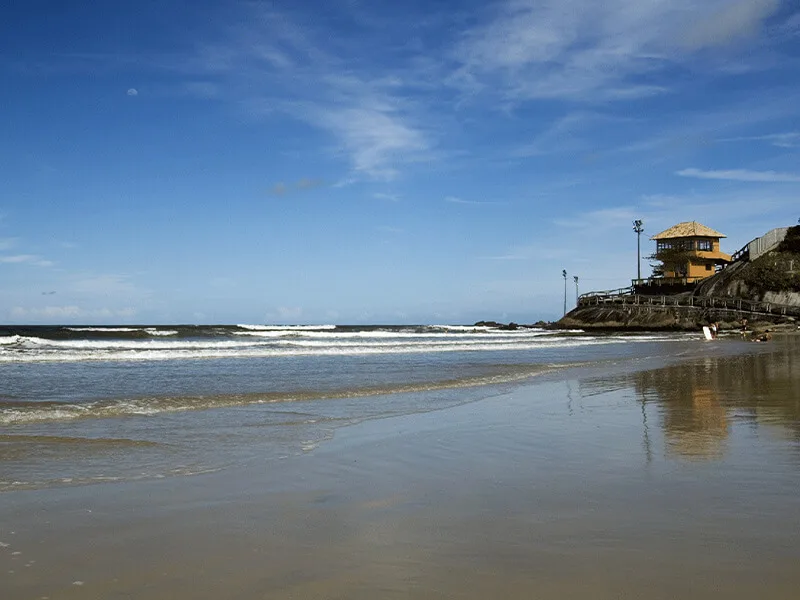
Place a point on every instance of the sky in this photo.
(353, 161)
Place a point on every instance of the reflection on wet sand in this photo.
(698, 402)
(694, 420)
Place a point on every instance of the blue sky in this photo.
(350, 161)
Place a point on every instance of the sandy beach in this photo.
(678, 481)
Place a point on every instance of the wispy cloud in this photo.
(457, 200)
(30, 259)
(731, 21)
(386, 196)
(789, 139)
(604, 220)
(741, 175)
(275, 66)
(375, 135)
(590, 51)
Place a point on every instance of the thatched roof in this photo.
(688, 229)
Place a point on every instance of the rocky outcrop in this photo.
(514, 326)
(660, 318)
(629, 317)
(773, 278)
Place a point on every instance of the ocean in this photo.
(85, 404)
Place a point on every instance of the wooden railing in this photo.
(665, 281)
(742, 253)
(626, 291)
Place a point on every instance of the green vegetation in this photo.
(776, 271)
(791, 242)
(670, 259)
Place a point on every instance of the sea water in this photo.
(81, 405)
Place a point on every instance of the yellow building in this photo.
(688, 252)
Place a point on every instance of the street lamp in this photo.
(564, 275)
(575, 277)
(638, 227)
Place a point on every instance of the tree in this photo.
(791, 243)
(670, 259)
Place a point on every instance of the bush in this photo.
(771, 273)
(791, 243)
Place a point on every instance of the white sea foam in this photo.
(7, 340)
(152, 350)
(256, 340)
(132, 344)
(285, 327)
(110, 329)
(387, 334)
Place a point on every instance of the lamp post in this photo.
(564, 275)
(575, 277)
(638, 227)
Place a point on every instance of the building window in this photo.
(704, 245)
(661, 246)
(708, 267)
(678, 245)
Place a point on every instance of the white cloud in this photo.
(385, 196)
(457, 200)
(564, 134)
(729, 23)
(741, 175)
(789, 139)
(588, 50)
(132, 92)
(30, 259)
(272, 66)
(377, 136)
(602, 220)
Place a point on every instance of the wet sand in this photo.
(676, 482)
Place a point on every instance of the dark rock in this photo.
(488, 324)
